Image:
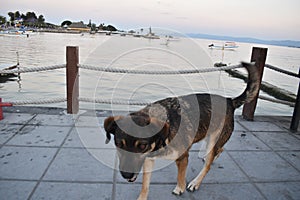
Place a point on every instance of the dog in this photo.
(168, 128)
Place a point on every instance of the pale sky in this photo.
(263, 19)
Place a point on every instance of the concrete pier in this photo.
(46, 154)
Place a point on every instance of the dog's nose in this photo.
(127, 175)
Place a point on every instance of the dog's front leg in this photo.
(147, 169)
(181, 163)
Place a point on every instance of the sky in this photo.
(262, 19)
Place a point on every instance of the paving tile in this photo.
(292, 156)
(16, 118)
(16, 190)
(244, 141)
(73, 191)
(279, 140)
(7, 131)
(200, 146)
(81, 165)
(24, 162)
(223, 170)
(88, 137)
(238, 127)
(281, 190)
(297, 136)
(206, 191)
(260, 126)
(53, 120)
(40, 136)
(265, 166)
(89, 121)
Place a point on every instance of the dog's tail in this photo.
(252, 86)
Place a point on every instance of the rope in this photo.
(39, 101)
(282, 71)
(32, 69)
(118, 70)
(191, 71)
(116, 102)
(276, 101)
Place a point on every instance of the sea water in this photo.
(46, 49)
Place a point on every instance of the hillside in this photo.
(287, 43)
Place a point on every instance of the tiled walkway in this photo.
(45, 154)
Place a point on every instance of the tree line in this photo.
(28, 19)
(32, 20)
(93, 26)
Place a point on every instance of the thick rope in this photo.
(39, 101)
(118, 70)
(276, 101)
(115, 102)
(128, 71)
(32, 69)
(282, 71)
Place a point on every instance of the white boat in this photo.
(151, 35)
(226, 45)
(16, 32)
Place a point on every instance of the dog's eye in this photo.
(142, 146)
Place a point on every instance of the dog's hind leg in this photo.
(181, 163)
(195, 183)
(147, 170)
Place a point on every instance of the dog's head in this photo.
(135, 138)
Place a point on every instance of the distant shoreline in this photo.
(285, 43)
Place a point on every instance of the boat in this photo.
(169, 39)
(151, 35)
(7, 77)
(226, 45)
(16, 32)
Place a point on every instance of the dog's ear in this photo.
(110, 126)
(164, 132)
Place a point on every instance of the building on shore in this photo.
(79, 26)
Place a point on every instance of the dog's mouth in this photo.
(132, 179)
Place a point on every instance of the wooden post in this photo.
(72, 80)
(296, 113)
(258, 56)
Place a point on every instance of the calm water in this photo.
(136, 53)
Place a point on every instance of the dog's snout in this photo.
(127, 175)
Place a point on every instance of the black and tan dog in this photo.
(168, 128)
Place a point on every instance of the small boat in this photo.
(151, 35)
(6, 77)
(16, 32)
(169, 39)
(226, 45)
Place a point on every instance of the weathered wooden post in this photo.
(258, 56)
(296, 113)
(72, 80)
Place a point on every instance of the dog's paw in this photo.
(178, 190)
(142, 198)
(193, 186)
